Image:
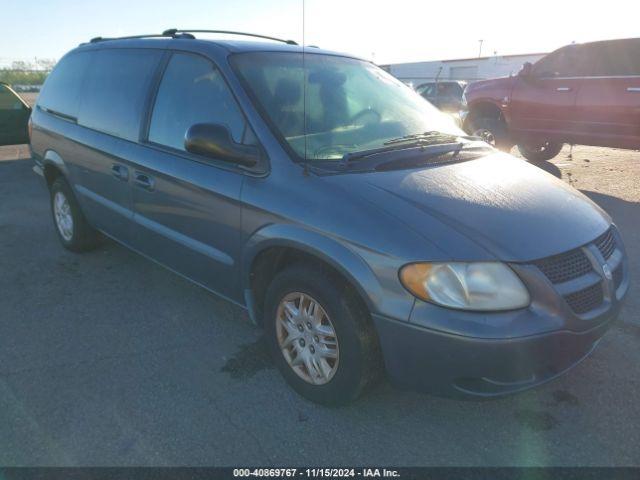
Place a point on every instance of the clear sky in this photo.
(386, 31)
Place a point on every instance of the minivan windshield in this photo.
(327, 106)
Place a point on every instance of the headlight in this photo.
(466, 286)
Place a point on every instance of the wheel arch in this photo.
(483, 108)
(53, 167)
(277, 246)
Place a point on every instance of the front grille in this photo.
(566, 266)
(606, 243)
(575, 264)
(584, 301)
(618, 275)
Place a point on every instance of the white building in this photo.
(468, 69)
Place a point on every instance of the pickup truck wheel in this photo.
(320, 336)
(493, 131)
(71, 226)
(541, 152)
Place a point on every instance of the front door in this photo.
(543, 104)
(14, 117)
(187, 208)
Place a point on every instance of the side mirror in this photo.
(214, 141)
(526, 70)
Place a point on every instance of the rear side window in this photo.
(616, 58)
(115, 90)
(192, 91)
(61, 91)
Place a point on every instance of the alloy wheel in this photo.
(307, 338)
(63, 216)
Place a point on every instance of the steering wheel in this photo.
(370, 115)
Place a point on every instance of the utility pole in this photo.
(480, 52)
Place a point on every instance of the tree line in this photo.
(27, 73)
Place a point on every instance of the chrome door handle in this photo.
(120, 172)
(144, 181)
(633, 89)
(563, 89)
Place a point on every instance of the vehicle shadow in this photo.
(549, 168)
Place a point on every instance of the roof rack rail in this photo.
(131, 37)
(176, 33)
(173, 31)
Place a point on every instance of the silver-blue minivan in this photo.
(355, 222)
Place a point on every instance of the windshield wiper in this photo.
(432, 151)
(440, 156)
(429, 138)
(432, 136)
(406, 144)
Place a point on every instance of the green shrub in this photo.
(23, 77)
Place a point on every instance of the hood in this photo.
(494, 90)
(491, 84)
(511, 209)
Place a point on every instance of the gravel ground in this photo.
(107, 359)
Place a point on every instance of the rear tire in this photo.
(540, 153)
(72, 227)
(493, 131)
(357, 362)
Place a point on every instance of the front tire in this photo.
(72, 227)
(541, 152)
(320, 335)
(493, 131)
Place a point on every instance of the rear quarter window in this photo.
(115, 90)
(61, 91)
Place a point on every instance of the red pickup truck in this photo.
(582, 94)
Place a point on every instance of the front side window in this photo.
(427, 90)
(569, 61)
(326, 106)
(192, 91)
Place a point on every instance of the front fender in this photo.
(362, 267)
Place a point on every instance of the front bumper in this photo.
(458, 366)
(575, 297)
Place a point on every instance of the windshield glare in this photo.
(351, 105)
